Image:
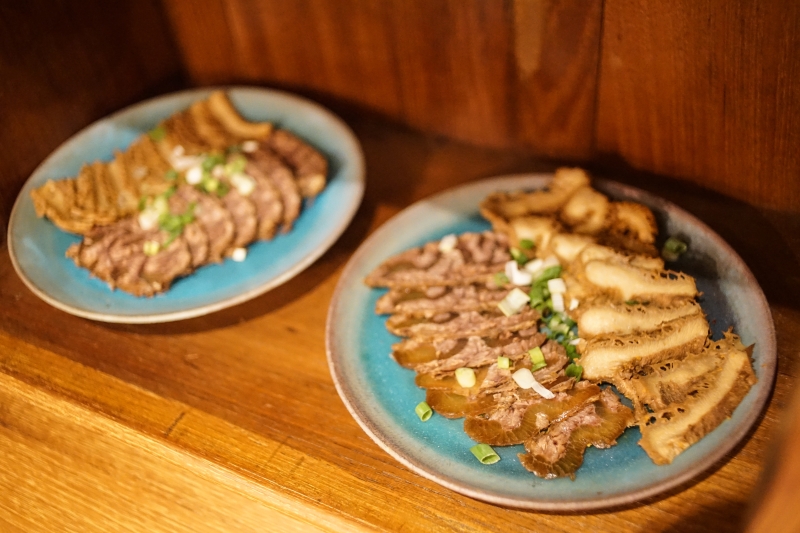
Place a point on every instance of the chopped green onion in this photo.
(160, 204)
(631, 302)
(556, 286)
(503, 362)
(518, 255)
(210, 184)
(171, 174)
(572, 351)
(513, 302)
(526, 244)
(423, 411)
(500, 279)
(485, 454)
(549, 273)
(465, 377)
(574, 371)
(151, 247)
(236, 165)
(157, 133)
(673, 249)
(537, 357)
(223, 189)
(537, 297)
(211, 161)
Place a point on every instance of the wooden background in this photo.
(703, 90)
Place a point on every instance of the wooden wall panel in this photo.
(518, 73)
(708, 90)
(65, 64)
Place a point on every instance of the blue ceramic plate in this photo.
(381, 395)
(37, 247)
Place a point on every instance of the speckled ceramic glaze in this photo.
(37, 247)
(381, 395)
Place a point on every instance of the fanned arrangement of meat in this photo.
(519, 330)
(472, 356)
(200, 187)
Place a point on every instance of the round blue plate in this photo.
(381, 395)
(37, 246)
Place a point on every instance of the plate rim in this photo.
(358, 179)
(769, 367)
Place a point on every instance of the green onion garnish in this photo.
(210, 184)
(549, 273)
(526, 244)
(157, 133)
(631, 302)
(518, 255)
(485, 454)
(572, 351)
(211, 161)
(503, 362)
(171, 174)
(537, 297)
(169, 192)
(151, 247)
(423, 411)
(574, 371)
(673, 249)
(465, 377)
(537, 357)
(236, 165)
(501, 279)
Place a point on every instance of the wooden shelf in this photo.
(231, 421)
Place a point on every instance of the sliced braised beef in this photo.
(243, 214)
(474, 258)
(215, 220)
(459, 325)
(89, 251)
(173, 260)
(195, 235)
(268, 202)
(428, 302)
(479, 351)
(271, 166)
(559, 451)
(309, 165)
(123, 254)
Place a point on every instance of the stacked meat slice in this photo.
(199, 187)
(145, 260)
(443, 298)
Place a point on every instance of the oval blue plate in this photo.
(381, 395)
(37, 247)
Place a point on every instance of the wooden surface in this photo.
(65, 64)
(231, 421)
(708, 90)
(493, 73)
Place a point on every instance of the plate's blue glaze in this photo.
(381, 395)
(37, 247)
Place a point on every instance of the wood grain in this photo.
(513, 74)
(707, 91)
(65, 64)
(248, 390)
